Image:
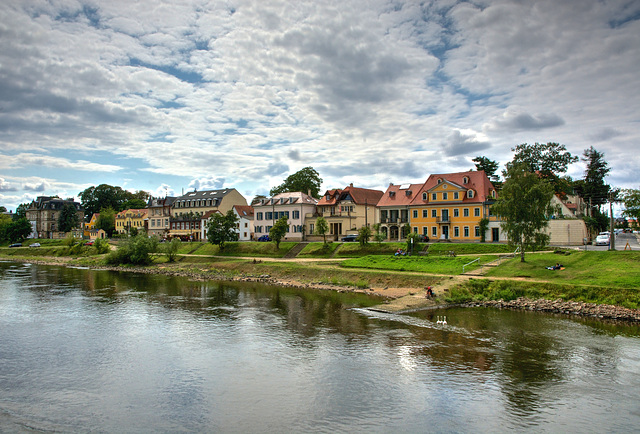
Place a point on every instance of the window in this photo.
(434, 213)
(434, 231)
(415, 230)
(415, 214)
(456, 212)
(470, 194)
(312, 228)
(476, 212)
(434, 196)
(465, 180)
(259, 216)
(465, 212)
(456, 231)
(424, 196)
(425, 231)
(425, 213)
(456, 196)
(445, 196)
(466, 231)
(268, 216)
(478, 231)
(296, 214)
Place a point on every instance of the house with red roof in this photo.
(346, 210)
(296, 206)
(245, 221)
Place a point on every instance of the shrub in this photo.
(136, 251)
(101, 245)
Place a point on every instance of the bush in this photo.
(136, 251)
(101, 245)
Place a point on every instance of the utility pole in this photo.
(612, 234)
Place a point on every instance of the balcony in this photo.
(443, 220)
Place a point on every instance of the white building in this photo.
(294, 205)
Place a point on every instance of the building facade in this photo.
(44, 213)
(159, 216)
(131, 218)
(296, 206)
(188, 210)
(393, 210)
(245, 222)
(346, 210)
(451, 205)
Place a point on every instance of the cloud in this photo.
(606, 134)
(163, 190)
(512, 121)
(24, 160)
(207, 183)
(6, 186)
(37, 186)
(464, 144)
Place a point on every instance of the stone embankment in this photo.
(601, 311)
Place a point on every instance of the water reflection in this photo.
(83, 349)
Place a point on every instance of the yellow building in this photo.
(130, 218)
(90, 227)
(450, 206)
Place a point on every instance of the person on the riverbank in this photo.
(429, 292)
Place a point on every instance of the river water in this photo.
(97, 351)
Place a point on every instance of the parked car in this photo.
(264, 238)
(602, 240)
(16, 245)
(423, 238)
(350, 237)
(35, 245)
(89, 243)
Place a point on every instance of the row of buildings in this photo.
(446, 206)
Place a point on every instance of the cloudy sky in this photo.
(167, 96)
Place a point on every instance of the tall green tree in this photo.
(523, 207)
(135, 203)
(68, 218)
(279, 230)
(107, 221)
(222, 228)
(303, 180)
(549, 160)
(490, 168)
(364, 233)
(103, 196)
(322, 227)
(21, 211)
(631, 200)
(594, 190)
(18, 230)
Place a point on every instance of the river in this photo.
(99, 351)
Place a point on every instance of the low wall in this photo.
(567, 232)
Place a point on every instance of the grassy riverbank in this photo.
(594, 277)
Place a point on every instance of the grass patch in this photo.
(468, 248)
(614, 269)
(349, 250)
(244, 248)
(485, 289)
(318, 250)
(423, 264)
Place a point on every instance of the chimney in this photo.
(351, 185)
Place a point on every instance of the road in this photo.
(621, 242)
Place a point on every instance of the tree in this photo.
(171, 249)
(378, 236)
(631, 199)
(222, 228)
(94, 199)
(304, 180)
(523, 207)
(490, 168)
(135, 250)
(18, 230)
(484, 225)
(322, 227)
(134, 204)
(107, 221)
(594, 191)
(413, 242)
(279, 230)
(21, 211)
(3, 209)
(548, 160)
(364, 233)
(68, 218)
(257, 199)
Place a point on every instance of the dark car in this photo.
(423, 238)
(264, 238)
(351, 237)
(16, 245)
(89, 243)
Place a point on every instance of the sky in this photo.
(175, 95)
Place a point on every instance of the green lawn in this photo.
(318, 250)
(468, 248)
(423, 264)
(349, 250)
(246, 248)
(608, 268)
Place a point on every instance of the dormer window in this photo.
(470, 194)
(439, 180)
(408, 192)
(465, 180)
(392, 193)
(424, 196)
(493, 193)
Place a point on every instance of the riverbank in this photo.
(400, 291)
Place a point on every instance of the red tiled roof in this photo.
(244, 210)
(360, 196)
(398, 195)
